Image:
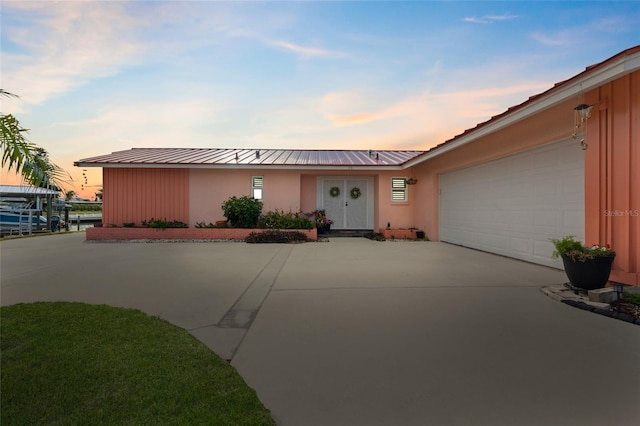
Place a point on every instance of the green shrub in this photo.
(276, 236)
(163, 223)
(242, 212)
(278, 219)
(129, 224)
(632, 298)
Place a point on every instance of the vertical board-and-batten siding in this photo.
(136, 194)
(612, 175)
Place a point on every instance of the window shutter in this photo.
(398, 189)
(257, 183)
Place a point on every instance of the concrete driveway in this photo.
(357, 332)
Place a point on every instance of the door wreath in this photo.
(355, 193)
(334, 191)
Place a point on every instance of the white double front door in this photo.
(347, 201)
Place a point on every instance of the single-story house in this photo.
(564, 162)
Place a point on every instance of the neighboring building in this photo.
(505, 186)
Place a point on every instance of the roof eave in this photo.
(591, 78)
(237, 166)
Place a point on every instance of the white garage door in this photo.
(513, 205)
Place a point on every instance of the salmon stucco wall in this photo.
(134, 195)
(308, 192)
(290, 190)
(612, 174)
(552, 125)
(398, 214)
(210, 188)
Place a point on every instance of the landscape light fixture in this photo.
(618, 288)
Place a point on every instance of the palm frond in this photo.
(26, 158)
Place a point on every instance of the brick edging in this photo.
(399, 234)
(104, 234)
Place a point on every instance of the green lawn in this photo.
(72, 363)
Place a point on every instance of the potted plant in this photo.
(323, 223)
(587, 268)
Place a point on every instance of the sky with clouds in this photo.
(101, 76)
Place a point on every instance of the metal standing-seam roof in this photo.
(250, 158)
(25, 191)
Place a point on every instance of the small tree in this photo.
(243, 212)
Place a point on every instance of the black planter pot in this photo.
(323, 229)
(590, 274)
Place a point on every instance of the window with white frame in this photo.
(257, 183)
(398, 190)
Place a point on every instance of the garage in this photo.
(511, 206)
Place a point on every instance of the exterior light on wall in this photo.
(411, 181)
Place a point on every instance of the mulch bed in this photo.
(626, 308)
(622, 310)
(628, 312)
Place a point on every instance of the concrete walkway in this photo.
(358, 332)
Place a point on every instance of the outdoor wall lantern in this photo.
(582, 113)
(411, 181)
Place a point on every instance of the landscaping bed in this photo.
(223, 233)
(627, 308)
(624, 310)
(628, 305)
(245, 222)
(402, 234)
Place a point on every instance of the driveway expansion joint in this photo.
(245, 309)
